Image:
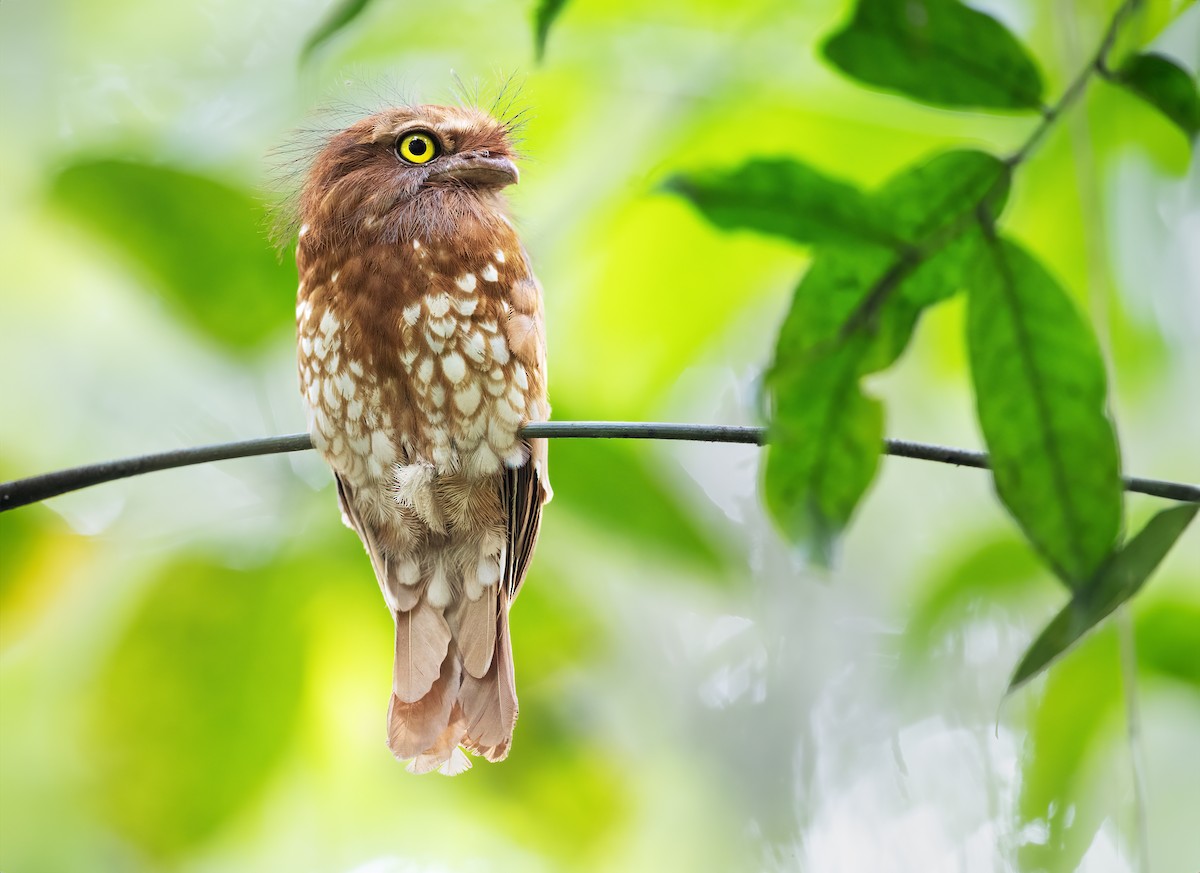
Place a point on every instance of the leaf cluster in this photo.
(882, 258)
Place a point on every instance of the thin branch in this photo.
(21, 492)
(1097, 65)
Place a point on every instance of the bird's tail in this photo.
(453, 684)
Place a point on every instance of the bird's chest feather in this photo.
(420, 353)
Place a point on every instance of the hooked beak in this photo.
(477, 170)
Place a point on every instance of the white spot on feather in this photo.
(412, 313)
(381, 448)
(409, 572)
(474, 347)
(467, 399)
(466, 305)
(499, 256)
(489, 273)
(483, 462)
(466, 282)
(425, 369)
(454, 367)
(499, 350)
(505, 411)
(488, 571)
(437, 304)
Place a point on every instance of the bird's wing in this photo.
(523, 493)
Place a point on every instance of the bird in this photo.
(421, 351)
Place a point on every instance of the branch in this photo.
(21, 492)
(1097, 65)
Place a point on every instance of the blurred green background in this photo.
(194, 665)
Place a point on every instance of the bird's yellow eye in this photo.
(417, 148)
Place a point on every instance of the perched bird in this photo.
(421, 355)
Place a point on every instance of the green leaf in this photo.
(1121, 577)
(783, 197)
(940, 198)
(936, 51)
(339, 15)
(1166, 86)
(825, 441)
(852, 314)
(196, 705)
(825, 432)
(200, 242)
(1077, 722)
(544, 15)
(979, 573)
(1040, 394)
(928, 197)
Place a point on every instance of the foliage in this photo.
(1038, 375)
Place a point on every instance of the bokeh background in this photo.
(194, 665)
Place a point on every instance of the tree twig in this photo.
(21, 492)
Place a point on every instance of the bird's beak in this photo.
(476, 170)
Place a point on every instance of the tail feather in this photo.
(474, 627)
(416, 727)
(444, 755)
(490, 703)
(422, 640)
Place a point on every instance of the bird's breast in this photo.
(421, 354)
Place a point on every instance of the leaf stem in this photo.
(1097, 65)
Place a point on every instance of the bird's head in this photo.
(406, 171)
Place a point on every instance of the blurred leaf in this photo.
(986, 573)
(1166, 86)
(939, 196)
(19, 531)
(195, 707)
(614, 485)
(937, 51)
(340, 14)
(1041, 399)
(852, 314)
(544, 15)
(786, 198)
(825, 440)
(202, 242)
(1081, 706)
(930, 196)
(1120, 578)
(1168, 637)
(1077, 708)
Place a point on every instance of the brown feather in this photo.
(490, 703)
(475, 630)
(523, 498)
(414, 727)
(422, 640)
(442, 752)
